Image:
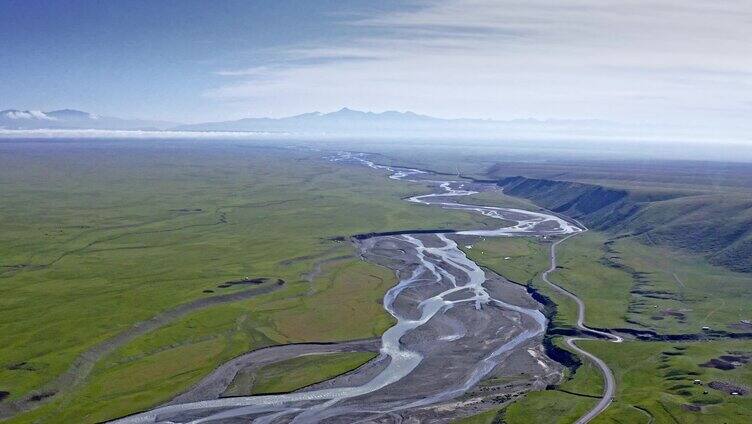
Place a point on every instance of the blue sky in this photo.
(151, 58)
(677, 62)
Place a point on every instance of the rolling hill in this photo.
(717, 225)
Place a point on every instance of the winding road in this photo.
(609, 384)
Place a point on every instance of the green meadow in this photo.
(655, 380)
(626, 284)
(97, 237)
(655, 384)
(519, 259)
(292, 374)
(658, 379)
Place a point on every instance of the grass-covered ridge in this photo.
(716, 224)
(700, 207)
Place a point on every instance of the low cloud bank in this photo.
(132, 134)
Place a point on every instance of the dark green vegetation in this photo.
(98, 236)
(293, 374)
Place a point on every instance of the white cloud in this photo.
(653, 61)
(27, 114)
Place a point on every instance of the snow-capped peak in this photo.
(27, 114)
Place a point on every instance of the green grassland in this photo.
(654, 385)
(654, 379)
(625, 283)
(650, 382)
(519, 259)
(292, 374)
(561, 405)
(604, 289)
(707, 295)
(658, 378)
(97, 237)
(488, 417)
(153, 368)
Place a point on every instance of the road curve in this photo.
(608, 380)
(608, 376)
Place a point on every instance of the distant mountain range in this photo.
(345, 122)
(353, 122)
(13, 119)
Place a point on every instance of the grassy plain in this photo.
(292, 374)
(657, 378)
(655, 384)
(654, 379)
(625, 283)
(487, 417)
(519, 259)
(97, 236)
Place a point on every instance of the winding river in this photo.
(441, 304)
